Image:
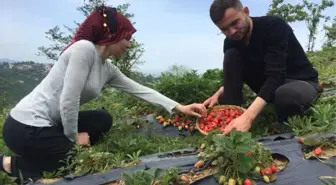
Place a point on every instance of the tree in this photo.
(330, 34)
(213, 74)
(313, 19)
(288, 12)
(126, 63)
(177, 70)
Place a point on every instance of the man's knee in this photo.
(297, 93)
(285, 96)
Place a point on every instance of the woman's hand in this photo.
(83, 138)
(195, 109)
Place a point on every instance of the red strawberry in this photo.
(274, 168)
(318, 151)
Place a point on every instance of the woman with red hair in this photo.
(45, 125)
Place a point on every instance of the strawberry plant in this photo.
(322, 118)
(5, 179)
(154, 176)
(322, 148)
(328, 180)
(238, 158)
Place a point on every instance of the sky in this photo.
(173, 32)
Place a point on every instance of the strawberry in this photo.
(257, 170)
(268, 171)
(176, 118)
(274, 168)
(222, 179)
(247, 182)
(161, 120)
(199, 164)
(232, 181)
(266, 178)
(185, 179)
(191, 128)
(318, 151)
(300, 140)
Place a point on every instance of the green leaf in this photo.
(246, 163)
(127, 178)
(159, 173)
(244, 148)
(151, 172)
(156, 172)
(223, 143)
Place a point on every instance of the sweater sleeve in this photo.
(122, 82)
(79, 64)
(275, 59)
(229, 44)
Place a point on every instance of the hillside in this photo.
(18, 79)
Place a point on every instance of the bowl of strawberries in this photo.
(218, 117)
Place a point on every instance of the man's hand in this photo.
(195, 109)
(210, 102)
(83, 138)
(242, 123)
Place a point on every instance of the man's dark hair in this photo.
(218, 8)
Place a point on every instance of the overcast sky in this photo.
(172, 31)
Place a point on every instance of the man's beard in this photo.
(244, 33)
(247, 29)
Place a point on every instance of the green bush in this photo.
(187, 88)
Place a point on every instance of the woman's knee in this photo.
(106, 120)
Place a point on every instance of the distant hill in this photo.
(7, 60)
(18, 79)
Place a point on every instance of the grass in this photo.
(122, 145)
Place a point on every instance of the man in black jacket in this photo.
(264, 53)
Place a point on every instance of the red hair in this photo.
(96, 29)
